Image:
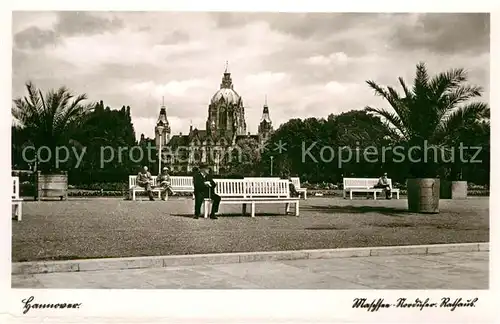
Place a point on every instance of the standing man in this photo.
(164, 181)
(204, 187)
(144, 180)
(383, 183)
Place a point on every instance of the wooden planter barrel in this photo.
(453, 189)
(52, 185)
(423, 195)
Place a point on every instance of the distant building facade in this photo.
(219, 142)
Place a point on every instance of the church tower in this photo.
(266, 126)
(226, 112)
(162, 129)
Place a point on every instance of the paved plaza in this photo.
(114, 228)
(456, 270)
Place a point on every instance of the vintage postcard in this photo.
(199, 165)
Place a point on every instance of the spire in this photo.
(226, 83)
(265, 112)
(162, 117)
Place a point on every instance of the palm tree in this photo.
(49, 120)
(432, 113)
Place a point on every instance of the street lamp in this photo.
(272, 157)
(160, 130)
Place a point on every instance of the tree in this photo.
(49, 120)
(433, 112)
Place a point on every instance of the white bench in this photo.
(365, 185)
(133, 187)
(17, 202)
(177, 183)
(246, 191)
(296, 184)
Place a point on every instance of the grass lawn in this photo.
(112, 227)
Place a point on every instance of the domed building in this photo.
(224, 135)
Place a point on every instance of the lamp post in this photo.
(272, 157)
(160, 130)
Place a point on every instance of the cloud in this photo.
(446, 33)
(175, 37)
(265, 79)
(173, 88)
(34, 37)
(68, 23)
(308, 65)
(334, 58)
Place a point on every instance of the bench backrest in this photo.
(230, 187)
(262, 178)
(246, 188)
(296, 182)
(15, 187)
(268, 188)
(365, 183)
(184, 182)
(132, 181)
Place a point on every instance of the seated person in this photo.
(144, 180)
(383, 183)
(293, 192)
(164, 181)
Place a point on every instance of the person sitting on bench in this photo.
(164, 181)
(383, 183)
(293, 192)
(144, 180)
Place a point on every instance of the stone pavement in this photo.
(456, 270)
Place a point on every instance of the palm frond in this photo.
(391, 120)
(462, 118)
(407, 92)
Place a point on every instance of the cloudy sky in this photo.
(306, 64)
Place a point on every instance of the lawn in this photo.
(113, 227)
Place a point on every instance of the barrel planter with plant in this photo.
(429, 115)
(53, 185)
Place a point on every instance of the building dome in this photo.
(229, 95)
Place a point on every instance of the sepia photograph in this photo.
(251, 150)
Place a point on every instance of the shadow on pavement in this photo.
(237, 215)
(389, 211)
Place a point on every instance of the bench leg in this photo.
(252, 209)
(350, 194)
(343, 193)
(297, 208)
(287, 208)
(133, 194)
(305, 195)
(159, 194)
(374, 195)
(397, 195)
(244, 209)
(18, 211)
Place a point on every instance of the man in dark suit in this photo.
(204, 187)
